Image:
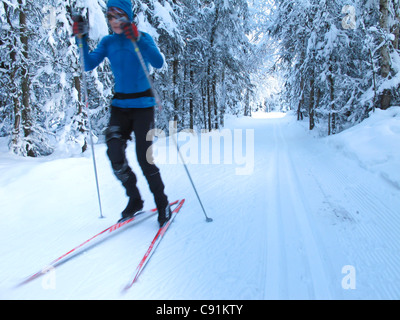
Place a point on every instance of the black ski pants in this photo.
(139, 121)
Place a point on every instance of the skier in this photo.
(132, 108)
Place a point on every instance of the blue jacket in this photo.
(128, 72)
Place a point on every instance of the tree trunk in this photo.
(311, 104)
(15, 88)
(367, 109)
(209, 100)
(223, 103)
(175, 65)
(203, 100)
(385, 54)
(191, 107)
(301, 101)
(332, 115)
(22, 108)
(247, 109)
(215, 104)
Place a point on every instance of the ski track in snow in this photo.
(300, 265)
(284, 232)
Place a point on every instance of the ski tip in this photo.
(126, 288)
(27, 280)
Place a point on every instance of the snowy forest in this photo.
(333, 62)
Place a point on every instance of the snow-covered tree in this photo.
(334, 55)
(211, 51)
(41, 95)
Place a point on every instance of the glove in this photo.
(80, 26)
(131, 31)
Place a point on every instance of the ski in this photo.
(153, 245)
(103, 234)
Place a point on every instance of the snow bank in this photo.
(374, 143)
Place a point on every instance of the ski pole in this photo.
(208, 219)
(89, 124)
(158, 102)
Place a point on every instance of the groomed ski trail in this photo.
(330, 213)
(284, 232)
(296, 267)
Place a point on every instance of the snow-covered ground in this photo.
(306, 218)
